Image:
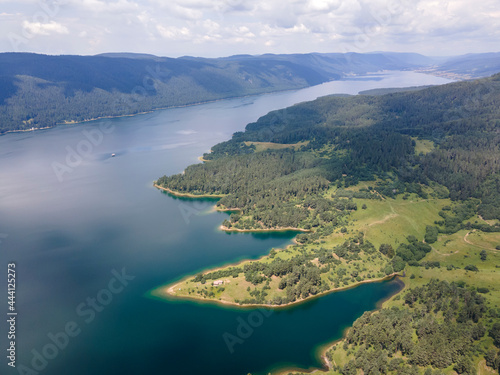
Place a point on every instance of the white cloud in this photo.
(98, 6)
(225, 27)
(172, 32)
(49, 28)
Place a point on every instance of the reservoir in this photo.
(91, 237)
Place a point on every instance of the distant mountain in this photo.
(410, 59)
(40, 91)
(128, 55)
(474, 65)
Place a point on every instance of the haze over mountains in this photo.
(39, 91)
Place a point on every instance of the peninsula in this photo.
(404, 183)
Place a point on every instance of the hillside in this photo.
(351, 139)
(473, 65)
(38, 91)
(405, 183)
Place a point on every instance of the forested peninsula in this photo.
(406, 183)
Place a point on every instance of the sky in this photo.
(214, 28)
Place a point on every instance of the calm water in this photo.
(69, 235)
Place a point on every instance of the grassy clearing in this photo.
(262, 146)
(423, 146)
(391, 220)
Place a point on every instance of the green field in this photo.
(262, 146)
(423, 146)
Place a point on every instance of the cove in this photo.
(68, 238)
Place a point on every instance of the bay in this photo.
(70, 231)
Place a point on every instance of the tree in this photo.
(388, 269)
(495, 334)
(398, 264)
(471, 267)
(431, 234)
(387, 250)
(483, 255)
(492, 359)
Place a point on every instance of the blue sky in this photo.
(214, 28)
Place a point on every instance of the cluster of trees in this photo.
(301, 275)
(271, 189)
(299, 278)
(363, 193)
(411, 252)
(419, 336)
(455, 219)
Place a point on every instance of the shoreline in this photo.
(187, 195)
(321, 350)
(27, 130)
(74, 122)
(270, 230)
(215, 208)
(166, 292)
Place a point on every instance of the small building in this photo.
(218, 282)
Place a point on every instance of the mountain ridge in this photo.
(38, 91)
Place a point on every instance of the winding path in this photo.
(466, 240)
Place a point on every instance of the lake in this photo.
(91, 238)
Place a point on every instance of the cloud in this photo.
(37, 28)
(98, 6)
(225, 27)
(174, 33)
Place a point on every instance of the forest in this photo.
(337, 166)
(437, 326)
(38, 91)
(359, 138)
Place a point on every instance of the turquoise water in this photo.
(70, 231)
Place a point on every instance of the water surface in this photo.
(69, 235)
